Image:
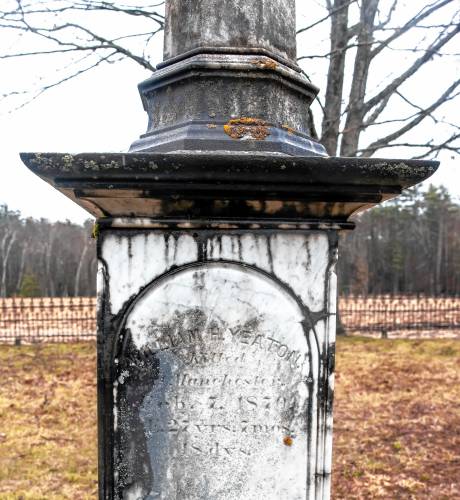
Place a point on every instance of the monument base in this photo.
(216, 363)
(217, 314)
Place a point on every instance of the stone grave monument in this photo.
(217, 244)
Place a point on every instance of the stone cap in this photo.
(250, 190)
(230, 81)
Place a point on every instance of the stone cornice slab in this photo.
(274, 189)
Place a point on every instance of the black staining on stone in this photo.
(202, 246)
(175, 237)
(270, 253)
(219, 239)
(329, 348)
(141, 378)
(310, 385)
(333, 237)
(130, 249)
(240, 248)
(137, 372)
(331, 359)
(232, 246)
(145, 238)
(330, 372)
(105, 373)
(166, 251)
(308, 252)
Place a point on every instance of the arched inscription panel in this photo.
(212, 395)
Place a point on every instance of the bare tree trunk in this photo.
(79, 270)
(7, 244)
(335, 76)
(439, 252)
(356, 108)
(50, 280)
(21, 267)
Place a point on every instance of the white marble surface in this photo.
(227, 323)
(296, 260)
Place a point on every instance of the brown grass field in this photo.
(397, 420)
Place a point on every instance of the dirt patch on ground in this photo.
(397, 421)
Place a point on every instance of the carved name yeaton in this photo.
(247, 336)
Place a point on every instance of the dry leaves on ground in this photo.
(397, 421)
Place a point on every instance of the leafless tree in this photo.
(405, 247)
(79, 36)
(359, 115)
(410, 245)
(368, 34)
(58, 257)
(7, 241)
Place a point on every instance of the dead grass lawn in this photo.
(397, 421)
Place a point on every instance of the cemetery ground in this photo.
(397, 420)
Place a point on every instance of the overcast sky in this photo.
(102, 111)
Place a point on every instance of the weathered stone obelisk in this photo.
(217, 244)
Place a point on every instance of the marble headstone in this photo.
(220, 391)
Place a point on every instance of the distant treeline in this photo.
(41, 258)
(411, 245)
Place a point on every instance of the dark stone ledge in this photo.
(222, 186)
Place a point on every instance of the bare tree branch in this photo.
(389, 16)
(423, 14)
(430, 146)
(50, 86)
(443, 146)
(67, 27)
(381, 143)
(389, 89)
(332, 10)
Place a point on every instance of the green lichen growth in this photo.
(67, 162)
(91, 165)
(95, 231)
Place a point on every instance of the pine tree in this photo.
(30, 286)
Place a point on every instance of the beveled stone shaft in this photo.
(242, 25)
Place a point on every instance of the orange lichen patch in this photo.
(247, 128)
(265, 63)
(288, 441)
(246, 121)
(289, 129)
(212, 125)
